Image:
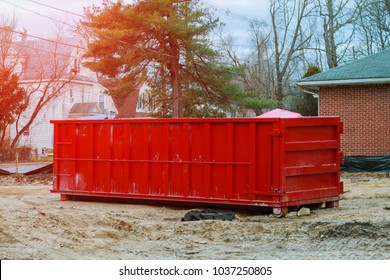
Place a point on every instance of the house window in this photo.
(82, 95)
(140, 101)
(101, 101)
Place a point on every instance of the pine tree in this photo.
(162, 42)
(307, 105)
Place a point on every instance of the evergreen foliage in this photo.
(12, 100)
(307, 105)
(164, 43)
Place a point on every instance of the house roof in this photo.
(85, 109)
(51, 59)
(373, 69)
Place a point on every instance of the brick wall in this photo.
(365, 112)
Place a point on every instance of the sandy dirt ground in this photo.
(36, 224)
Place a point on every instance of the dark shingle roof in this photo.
(372, 69)
(85, 109)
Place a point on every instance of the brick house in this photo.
(358, 92)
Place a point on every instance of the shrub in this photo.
(9, 154)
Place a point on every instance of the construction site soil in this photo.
(36, 224)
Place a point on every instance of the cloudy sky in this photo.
(34, 15)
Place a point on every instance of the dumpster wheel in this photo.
(280, 212)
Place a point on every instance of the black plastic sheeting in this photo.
(47, 169)
(196, 215)
(4, 172)
(366, 164)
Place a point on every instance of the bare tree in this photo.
(43, 71)
(262, 69)
(287, 17)
(387, 3)
(338, 21)
(373, 28)
(10, 56)
(47, 72)
(230, 53)
(256, 69)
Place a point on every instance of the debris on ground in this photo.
(196, 215)
(37, 224)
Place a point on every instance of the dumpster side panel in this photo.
(82, 150)
(250, 162)
(99, 183)
(118, 153)
(266, 156)
(138, 147)
(199, 155)
(221, 147)
(242, 153)
(176, 153)
(63, 149)
(312, 159)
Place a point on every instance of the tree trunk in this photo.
(174, 69)
(286, 44)
(279, 88)
(3, 132)
(329, 33)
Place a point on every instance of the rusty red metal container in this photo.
(258, 162)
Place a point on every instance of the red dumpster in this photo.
(258, 162)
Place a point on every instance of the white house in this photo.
(56, 80)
